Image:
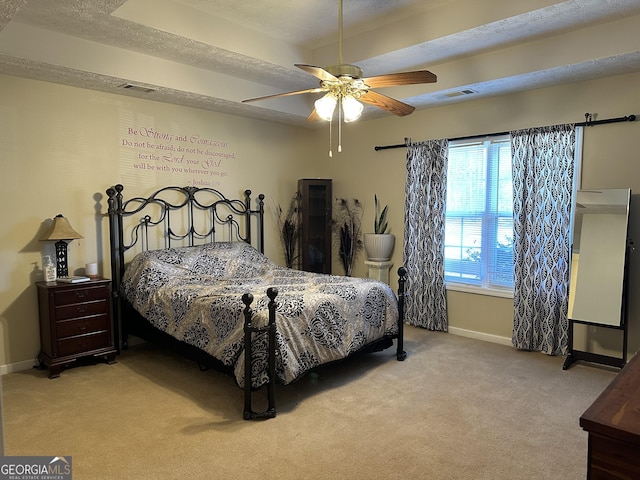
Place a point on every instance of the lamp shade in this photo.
(352, 108)
(61, 230)
(325, 106)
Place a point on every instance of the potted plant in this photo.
(379, 244)
(347, 228)
(289, 230)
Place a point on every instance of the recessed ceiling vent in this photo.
(138, 88)
(459, 93)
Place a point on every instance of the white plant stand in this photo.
(379, 270)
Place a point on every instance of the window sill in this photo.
(493, 292)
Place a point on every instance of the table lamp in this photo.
(61, 231)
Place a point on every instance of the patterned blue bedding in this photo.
(195, 295)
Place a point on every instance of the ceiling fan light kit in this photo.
(345, 87)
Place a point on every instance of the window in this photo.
(479, 214)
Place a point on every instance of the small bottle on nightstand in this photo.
(49, 270)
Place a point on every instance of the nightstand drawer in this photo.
(81, 326)
(80, 295)
(83, 343)
(81, 310)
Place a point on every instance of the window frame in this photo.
(486, 217)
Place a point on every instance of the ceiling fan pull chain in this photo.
(340, 125)
(330, 139)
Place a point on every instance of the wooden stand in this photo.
(315, 214)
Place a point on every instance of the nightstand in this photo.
(75, 322)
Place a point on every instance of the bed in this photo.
(189, 272)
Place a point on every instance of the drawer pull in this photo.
(81, 309)
(81, 294)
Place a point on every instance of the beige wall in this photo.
(60, 148)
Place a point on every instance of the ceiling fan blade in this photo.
(317, 72)
(402, 78)
(297, 92)
(387, 103)
(313, 116)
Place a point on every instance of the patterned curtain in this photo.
(543, 169)
(426, 192)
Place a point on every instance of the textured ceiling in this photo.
(212, 54)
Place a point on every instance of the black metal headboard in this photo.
(177, 216)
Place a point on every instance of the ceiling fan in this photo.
(345, 86)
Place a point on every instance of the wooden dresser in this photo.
(613, 423)
(75, 322)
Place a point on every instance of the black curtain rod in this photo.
(587, 123)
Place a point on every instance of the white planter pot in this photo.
(379, 246)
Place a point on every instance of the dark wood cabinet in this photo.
(613, 424)
(314, 210)
(75, 322)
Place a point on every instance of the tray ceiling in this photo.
(212, 54)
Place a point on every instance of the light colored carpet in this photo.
(457, 408)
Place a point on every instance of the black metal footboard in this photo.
(402, 278)
(270, 329)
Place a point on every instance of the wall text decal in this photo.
(193, 159)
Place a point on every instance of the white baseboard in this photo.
(16, 367)
(487, 337)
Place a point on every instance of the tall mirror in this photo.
(598, 265)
